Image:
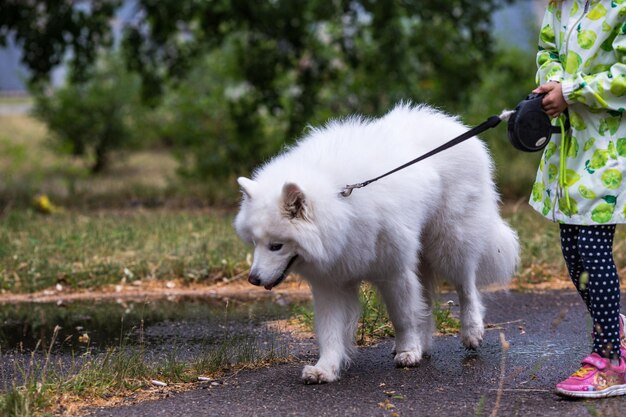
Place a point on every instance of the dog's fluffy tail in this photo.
(500, 259)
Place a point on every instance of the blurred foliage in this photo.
(228, 83)
(394, 43)
(47, 30)
(505, 81)
(268, 69)
(213, 122)
(94, 117)
(378, 51)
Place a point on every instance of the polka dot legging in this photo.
(590, 249)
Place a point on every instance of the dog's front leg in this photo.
(337, 311)
(409, 315)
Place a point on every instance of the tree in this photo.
(442, 42)
(93, 118)
(47, 30)
(380, 50)
(296, 59)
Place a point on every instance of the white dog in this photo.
(437, 219)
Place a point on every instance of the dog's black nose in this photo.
(254, 279)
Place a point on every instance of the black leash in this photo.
(491, 122)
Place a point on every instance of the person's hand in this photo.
(553, 103)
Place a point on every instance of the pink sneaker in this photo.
(596, 378)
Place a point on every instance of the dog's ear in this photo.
(247, 186)
(294, 203)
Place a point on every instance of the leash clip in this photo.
(347, 190)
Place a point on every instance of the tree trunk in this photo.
(101, 159)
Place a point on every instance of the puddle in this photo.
(159, 324)
(156, 337)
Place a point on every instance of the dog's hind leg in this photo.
(472, 310)
(337, 311)
(429, 285)
(409, 315)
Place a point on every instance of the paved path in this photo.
(548, 335)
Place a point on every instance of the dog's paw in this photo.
(472, 338)
(317, 375)
(407, 359)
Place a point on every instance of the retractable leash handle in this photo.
(530, 127)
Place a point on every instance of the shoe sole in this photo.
(613, 391)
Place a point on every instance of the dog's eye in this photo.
(276, 246)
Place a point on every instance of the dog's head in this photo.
(279, 225)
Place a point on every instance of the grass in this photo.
(374, 323)
(122, 371)
(27, 164)
(45, 383)
(13, 100)
(479, 410)
(541, 261)
(94, 249)
(600, 409)
(31, 165)
(90, 249)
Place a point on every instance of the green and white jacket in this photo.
(581, 177)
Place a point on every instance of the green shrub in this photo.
(216, 123)
(92, 118)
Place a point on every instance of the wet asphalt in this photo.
(548, 334)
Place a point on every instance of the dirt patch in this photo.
(291, 290)
(293, 327)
